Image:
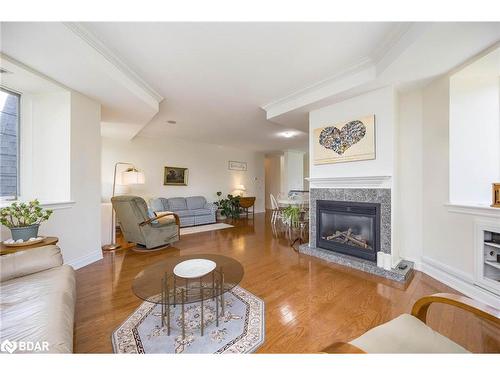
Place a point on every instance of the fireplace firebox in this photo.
(351, 228)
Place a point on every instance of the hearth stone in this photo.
(359, 264)
(382, 196)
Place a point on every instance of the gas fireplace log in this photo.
(357, 242)
(347, 236)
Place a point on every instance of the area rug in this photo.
(241, 329)
(205, 228)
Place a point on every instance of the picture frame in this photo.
(347, 141)
(237, 165)
(176, 176)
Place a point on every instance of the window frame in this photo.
(18, 154)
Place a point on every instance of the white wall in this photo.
(45, 146)
(294, 170)
(474, 137)
(273, 176)
(76, 223)
(51, 148)
(208, 168)
(79, 226)
(306, 171)
(437, 237)
(447, 237)
(410, 182)
(383, 104)
(379, 102)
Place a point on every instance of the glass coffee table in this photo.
(185, 280)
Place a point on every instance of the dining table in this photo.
(292, 202)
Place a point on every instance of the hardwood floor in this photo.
(309, 303)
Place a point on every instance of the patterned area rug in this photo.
(205, 228)
(241, 329)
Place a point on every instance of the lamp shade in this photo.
(240, 187)
(133, 177)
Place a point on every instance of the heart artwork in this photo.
(340, 140)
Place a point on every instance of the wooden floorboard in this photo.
(309, 303)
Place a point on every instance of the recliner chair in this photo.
(137, 226)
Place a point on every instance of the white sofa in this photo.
(37, 301)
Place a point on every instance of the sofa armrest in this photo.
(30, 261)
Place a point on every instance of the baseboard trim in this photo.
(458, 280)
(85, 260)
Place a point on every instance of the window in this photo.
(474, 131)
(9, 144)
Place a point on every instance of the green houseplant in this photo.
(23, 219)
(229, 207)
(291, 215)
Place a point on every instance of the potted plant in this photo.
(229, 207)
(24, 219)
(291, 215)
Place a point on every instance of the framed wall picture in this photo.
(347, 141)
(237, 165)
(175, 176)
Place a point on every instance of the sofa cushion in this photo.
(194, 203)
(201, 212)
(184, 213)
(159, 204)
(40, 307)
(31, 261)
(405, 334)
(177, 204)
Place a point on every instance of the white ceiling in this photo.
(216, 76)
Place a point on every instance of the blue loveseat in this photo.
(191, 210)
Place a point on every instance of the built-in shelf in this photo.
(497, 245)
(487, 269)
(493, 264)
(475, 209)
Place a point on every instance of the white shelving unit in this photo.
(487, 270)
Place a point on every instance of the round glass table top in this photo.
(150, 282)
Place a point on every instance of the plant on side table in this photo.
(230, 206)
(24, 219)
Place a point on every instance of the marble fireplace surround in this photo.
(369, 195)
(382, 196)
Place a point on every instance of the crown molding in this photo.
(390, 41)
(364, 71)
(92, 40)
(361, 72)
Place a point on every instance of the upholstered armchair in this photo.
(410, 333)
(137, 226)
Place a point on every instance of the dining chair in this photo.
(276, 209)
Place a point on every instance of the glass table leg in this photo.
(182, 315)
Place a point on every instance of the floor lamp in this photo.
(131, 176)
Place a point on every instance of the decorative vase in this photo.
(25, 233)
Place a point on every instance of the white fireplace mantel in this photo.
(350, 182)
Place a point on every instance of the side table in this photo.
(246, 203)
(14, 249)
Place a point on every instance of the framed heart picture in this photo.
(348, 141)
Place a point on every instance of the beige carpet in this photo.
(205, 228)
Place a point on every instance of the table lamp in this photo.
(239, 189)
